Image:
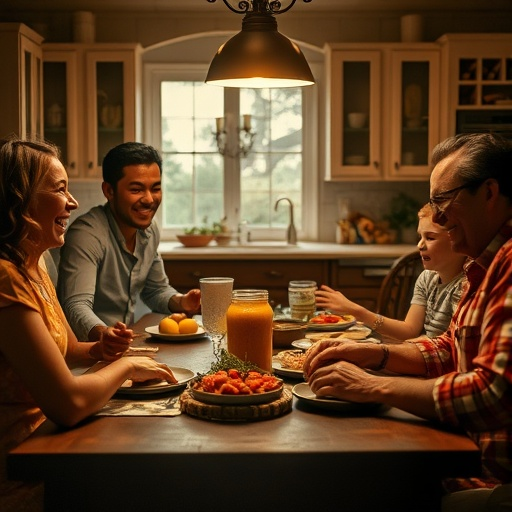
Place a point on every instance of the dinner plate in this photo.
(341, 326)
(155, 332)
(183, 376)
(215, 399)
(286, 372)
(304, 394)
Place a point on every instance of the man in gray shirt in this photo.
(110, 255)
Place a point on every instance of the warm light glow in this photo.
(259, 57)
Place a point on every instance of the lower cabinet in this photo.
(360, 281)
(271, 275)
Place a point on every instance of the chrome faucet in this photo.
(291, 233)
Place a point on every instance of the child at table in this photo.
(436, 292)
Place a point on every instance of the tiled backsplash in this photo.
(369, 198)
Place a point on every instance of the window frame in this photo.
(155, 73)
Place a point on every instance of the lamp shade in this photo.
(259, 56)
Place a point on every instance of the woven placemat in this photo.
(257, 412)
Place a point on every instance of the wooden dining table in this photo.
(308, 459)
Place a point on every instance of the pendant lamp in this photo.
(259, 56)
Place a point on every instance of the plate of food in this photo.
(304, 394)
(154, 331)
(156, 386)
(233, 388)
(330, 322)
(289, 363)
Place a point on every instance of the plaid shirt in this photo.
(473, 359)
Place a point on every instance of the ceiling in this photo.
(216, 5)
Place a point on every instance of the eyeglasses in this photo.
(442, 201)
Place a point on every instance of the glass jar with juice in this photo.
(249, 322)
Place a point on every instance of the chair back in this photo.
(397, 288)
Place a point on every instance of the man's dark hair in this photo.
(128, 153)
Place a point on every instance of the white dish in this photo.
(303, 344)
(330, 327)
(304, 394)
(155, 332)
(256, 398)
(286, 372)
(183, 376)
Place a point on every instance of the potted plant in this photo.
(403, 217)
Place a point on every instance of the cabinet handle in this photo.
(274, 274)
(376, 164)
(90, 165)
(72, 165)
(397, 166)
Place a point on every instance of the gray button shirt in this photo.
(100, 279)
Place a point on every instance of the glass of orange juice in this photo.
(249, 323)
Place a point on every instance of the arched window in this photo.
(202, 185)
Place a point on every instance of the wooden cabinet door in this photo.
(271, 275)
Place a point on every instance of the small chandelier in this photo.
(259, 56)
(245, 137)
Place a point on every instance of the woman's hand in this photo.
(333, 300)
(146, 368)
(114, 342)
(344, 381)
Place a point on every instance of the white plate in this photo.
(330, 327)
(155, 332)
(183, 376)
(304, 394)
(256, 398)
(286, 372)
(302, 344)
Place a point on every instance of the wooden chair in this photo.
(398, 286)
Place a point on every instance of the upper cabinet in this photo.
(21, 88)
(477, 90)
(90, 101)
(383, 110)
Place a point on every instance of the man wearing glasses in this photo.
(466, 373)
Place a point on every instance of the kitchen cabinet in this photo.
(477, 90)
(360, 280)
(21, 88)
(271, 275)
(90, 101)
(394, 87)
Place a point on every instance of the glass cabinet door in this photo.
(111, 108)
(60, 105)
(414, 112)
(355, 114)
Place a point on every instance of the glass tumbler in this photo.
(249, 321)
(301, 298)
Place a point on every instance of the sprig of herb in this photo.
(226, 361)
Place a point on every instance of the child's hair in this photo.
(425, 211)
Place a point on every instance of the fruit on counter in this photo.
(168, 326)
(188, 326)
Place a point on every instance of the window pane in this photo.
(274, 166)
(193, 171)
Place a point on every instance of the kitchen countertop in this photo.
(280, 251)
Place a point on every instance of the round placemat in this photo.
(236, 412)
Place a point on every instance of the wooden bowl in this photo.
(283, 333)
(223, 239)
(195, 240)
